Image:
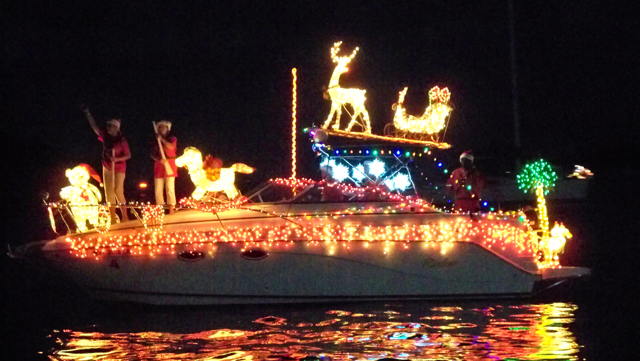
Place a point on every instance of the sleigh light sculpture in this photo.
(424, 127)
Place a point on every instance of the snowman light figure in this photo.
(83, 198)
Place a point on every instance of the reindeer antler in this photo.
(334, 51)
(354, 52)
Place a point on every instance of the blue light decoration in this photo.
(439, 165)
(366, 151)
(376, 168)
(357, 173)
(397, 152)
(485, 203)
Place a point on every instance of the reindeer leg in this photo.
(336, 125)
(333, 110)
(353, 120)
(365, 116)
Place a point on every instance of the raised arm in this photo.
(92, 122)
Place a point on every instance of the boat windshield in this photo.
(313, 193)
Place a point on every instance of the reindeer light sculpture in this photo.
(340, 97)
(430, 123)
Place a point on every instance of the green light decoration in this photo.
(537, 174)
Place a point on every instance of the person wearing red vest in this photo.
(466, 183)
(164, 182)
(115, 153)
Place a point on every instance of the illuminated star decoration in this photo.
(357, 173)
(401, 181)
(327, 163)
(339, 172)
(376, 168)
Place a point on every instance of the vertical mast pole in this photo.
(514, 81)
(293, 123)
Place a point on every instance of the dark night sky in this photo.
(222, 74)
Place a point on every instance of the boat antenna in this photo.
(514, 82)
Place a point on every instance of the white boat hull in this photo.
(303, 273)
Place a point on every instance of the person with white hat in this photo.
(163, 152)
(115, 153)
(466, 183)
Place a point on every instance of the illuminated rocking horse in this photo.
(224, 179)
(428, 124)
(340, 97)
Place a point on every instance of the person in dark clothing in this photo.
(466, 183)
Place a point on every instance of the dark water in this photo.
(593, 319)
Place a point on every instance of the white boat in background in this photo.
(284, 244)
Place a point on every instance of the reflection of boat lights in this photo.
(539, 331)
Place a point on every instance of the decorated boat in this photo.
(360, 233)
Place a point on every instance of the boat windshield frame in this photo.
(300, 192)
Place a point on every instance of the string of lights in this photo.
(294, 120)
(486, 232)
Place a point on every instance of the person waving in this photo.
(115, 153)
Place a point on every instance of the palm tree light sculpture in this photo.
(539, 177)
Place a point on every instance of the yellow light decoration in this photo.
(559, 235)
(152, 217)
(293, 125)
(51, 219)
(104, 218)
(83, 198)
(491, 234)
(368, 136)
(431, 122)
(542, 212)
(340, 97)
(192, 161)
(192, 203)
(553, 245)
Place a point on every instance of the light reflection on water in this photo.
(519, 332)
